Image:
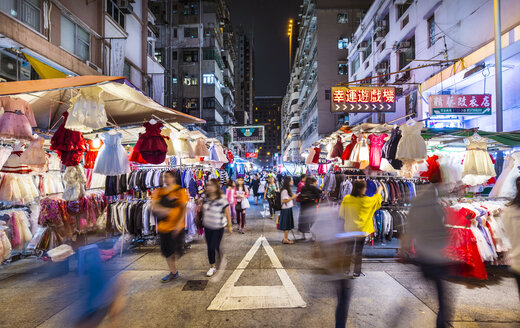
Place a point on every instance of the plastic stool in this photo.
(88, 257)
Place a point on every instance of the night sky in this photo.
(268, 20)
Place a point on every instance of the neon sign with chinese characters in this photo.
(460, 104)
(362, 99)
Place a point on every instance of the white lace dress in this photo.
(112, 158)
(87, 111)
(478, 167)
(505, 185)
(411, 146)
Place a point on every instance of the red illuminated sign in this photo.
(460, 104)
(363, 99)
(251, 155)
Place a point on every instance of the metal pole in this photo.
(201, 38)
(498, 79)
(290, 51)
(498, 66)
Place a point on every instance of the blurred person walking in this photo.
(230, 196)
(309, 196)
(255, 184)
(301, 184)
(286, 216)
(215, 217)
(270, 193)
(357, 210)
(242, 203)
(169, 205)
(511, 220)
(425, 229)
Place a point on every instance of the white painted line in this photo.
(231, 297)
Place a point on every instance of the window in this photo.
(190, 9)
(174, 80)
(208, 102)
(431, 31)
(190, 103)
(342, 69)
(191, 32)
(342, 43)
(401, 9)
(406, 52)
(190, 80)
(368, 50)
(174, 55)
(190, 56)
(126, 70)
(75, 39)
(342, 18)
(158, 55)
(208, 78)
(150, 42)
(115, 12)
(355, 64)
(327, 94)
(175, 32)
(27, 11)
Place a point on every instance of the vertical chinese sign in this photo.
(460, 104)
(362, 100)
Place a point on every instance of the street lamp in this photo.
(289, 34)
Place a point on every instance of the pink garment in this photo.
(376, 147)
(16, 241)
(230, 195)
(236, 193)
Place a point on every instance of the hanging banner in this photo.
(460, 104)
(247, 134)
(251, 155)
(362, 100)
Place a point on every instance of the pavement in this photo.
(264, 281)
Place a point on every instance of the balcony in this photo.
(294, 109)
(294, 120)
(294, 95)
(295, 132)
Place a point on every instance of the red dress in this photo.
(376, 147)
(136, 157)
(348, 150)
(316, 158)
(462, 245)
(90, 157)
(70, 145)
(151, 144)
(337, 151)
(434, 170)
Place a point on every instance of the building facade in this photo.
(197, 48)
(455, 39)
(244, 77)
(324, 30)
(51, 39)
(268, 113)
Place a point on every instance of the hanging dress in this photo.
(309, 158)
(17, 119)
(348, 150)
(213, 156)
(112, 158)
(70, 145)
(376, 147)
(337, 151)
(87, 111)
(389, 151)
(361, 154)
(93, 150)
(5, 152)
(412, 145)
(34, 154)
(317, 153)
(433, 172)
(166, 135)
(200, 148)
(505, 185)
(478, 167)
(151, 144)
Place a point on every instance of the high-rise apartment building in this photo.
(244, 77)
(197, 48)
(320, 62)
(267, 112)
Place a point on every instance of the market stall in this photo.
(83, 154)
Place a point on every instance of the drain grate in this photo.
(195, 285)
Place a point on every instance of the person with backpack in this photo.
(286, 216)
(270, 193)
(309, 197)
(215, 217)
(242, 203)
(169, 205)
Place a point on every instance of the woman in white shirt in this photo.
(286, 222)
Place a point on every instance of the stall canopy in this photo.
(124, 103)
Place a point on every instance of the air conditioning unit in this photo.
(125, 6)
(362, 46)
(404, 45)
(10, 65)
(382, 67)
(379, 35)
(381, 25)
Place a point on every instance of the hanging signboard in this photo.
(251, 155)
(460, 104)
(247, 134)
(362, 100)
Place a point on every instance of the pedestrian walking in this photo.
(511, 219)
(357, 210)
(301, 184)
(242, 203)
(230, 196)
(255, 184)
(286, 216)
(169, 205)
(215, 217)
(309, 196)
(270, 193)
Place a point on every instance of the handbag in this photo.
(245, 204)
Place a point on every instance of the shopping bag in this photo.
(245, 204)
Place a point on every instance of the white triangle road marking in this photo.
(231, 297)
